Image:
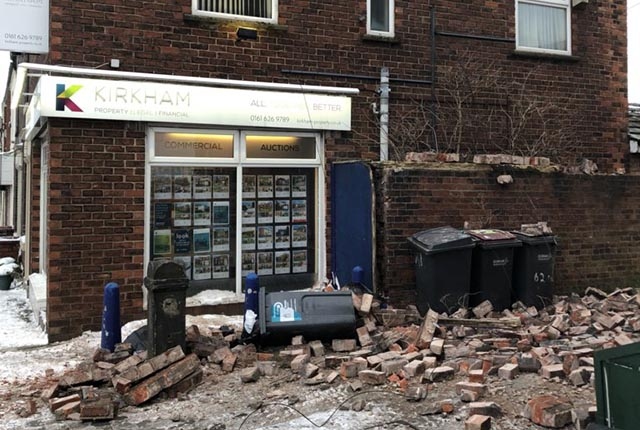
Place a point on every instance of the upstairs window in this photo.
(249, 10)
(380, 17)
(543, 26)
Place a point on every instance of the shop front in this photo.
(234, 175)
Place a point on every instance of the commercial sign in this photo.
(158, 102)
(206, 145)
(24, 26)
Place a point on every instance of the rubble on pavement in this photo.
(395, 348)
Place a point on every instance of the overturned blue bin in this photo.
(314, 315)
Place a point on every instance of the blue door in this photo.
(352, 212)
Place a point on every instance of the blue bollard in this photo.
(111, 317)
(251, 304)
(356, 275)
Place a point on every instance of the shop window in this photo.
(543, 26)
(221, 217)
(380, 18)
(193, 222)
(253, 10)
(278, 224)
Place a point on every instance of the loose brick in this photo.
(343, 345)
(478, 422)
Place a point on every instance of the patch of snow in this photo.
(214, 297)
(18, 326)
(8, 269)
(7, 260)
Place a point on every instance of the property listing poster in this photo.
(275, 222)
(191, 220)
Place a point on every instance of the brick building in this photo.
(203, 131)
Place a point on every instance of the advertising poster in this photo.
(182, 187)
(299, 210)
(282, 186)
(220, 266)
(248, 212)
(265, 263)
(298, 186)
(220, 213)
(283, 262)
(299, 235)
(265, 237)
(182, 214)
(220, 186)
(249, 186)
(182, 241)
(299, 258)
(265, 186)
(202, 187)
(201, 213)
(282, 236)
(249, 238)
(202, 267)
(221, 238)
(201, 240)
(161, 242)
(281, 213)
(185, 262)
(162, 187)
(248, 263)
(265, 211)
(162, 215)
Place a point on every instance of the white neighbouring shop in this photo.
(234, 176)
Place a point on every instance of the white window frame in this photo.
(559, 4)
(43, 246)
(239, 162)
(392, 17)
(204, 13)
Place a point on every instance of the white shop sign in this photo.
(24, 26)
(157, 102)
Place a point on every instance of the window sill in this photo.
(188, 17)
(374, 38)
(545, 55)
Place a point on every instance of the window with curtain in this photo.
(543, 26)
(253, 10)
(380, 17)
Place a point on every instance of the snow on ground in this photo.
(18, 327)
(24, 348)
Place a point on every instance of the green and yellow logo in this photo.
(63, 97)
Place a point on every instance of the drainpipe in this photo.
(384, 114)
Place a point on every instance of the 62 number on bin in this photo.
(541, 277)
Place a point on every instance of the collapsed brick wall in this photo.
(330, 37)
(595, 219)
(95, 223)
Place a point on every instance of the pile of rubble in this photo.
(395, 348)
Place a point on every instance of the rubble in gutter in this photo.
(395, 348)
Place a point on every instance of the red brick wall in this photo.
(163, 37)
(96, 222)
(595, 219)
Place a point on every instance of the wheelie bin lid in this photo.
(492, 238)
(441, 239)
(547, 239)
